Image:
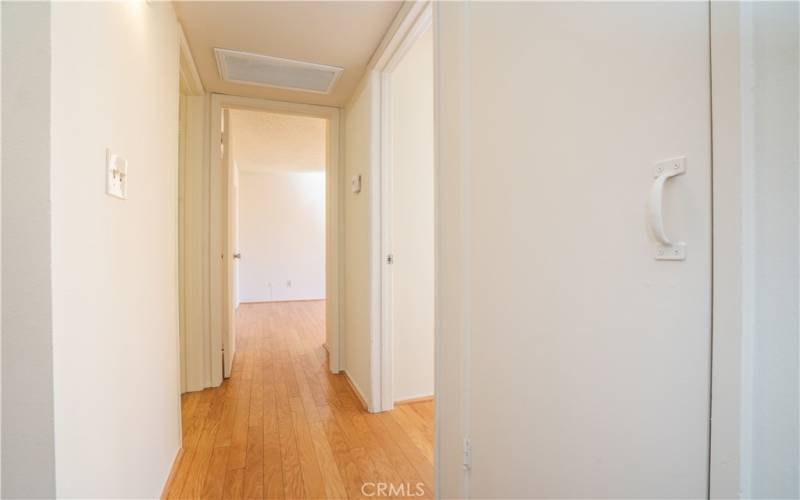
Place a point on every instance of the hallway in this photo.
(283, 426)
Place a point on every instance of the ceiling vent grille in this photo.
(255, 69)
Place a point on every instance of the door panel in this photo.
(229, 224)
(590, 359)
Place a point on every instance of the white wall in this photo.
(360, 267)
(412, 222)
(770, 107)
(1, 258)
(115, 304)
(281, 236)
(27, 433)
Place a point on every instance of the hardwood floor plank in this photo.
(234, 485)
(273, 468)
(228, 416)
(290, 458)
(405, 469)
(414, 433)
(215, 478)
(312, 477)
(412, 453)
(254, 468)
(334, 485)
(238, 453)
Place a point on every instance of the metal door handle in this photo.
(237, 256)
(665, 248)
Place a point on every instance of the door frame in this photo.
(409, 27)
(229, 266)
(192, 225)
(220, 304)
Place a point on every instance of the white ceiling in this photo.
(272, 142)
(342, 34)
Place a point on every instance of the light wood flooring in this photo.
(283, 426)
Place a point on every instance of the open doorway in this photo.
(274, 164)
(275, 131)
(407, 220)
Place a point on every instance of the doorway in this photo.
(275, 170)
(224, 228)
(407, 220)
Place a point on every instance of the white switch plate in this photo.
(116, 175)
(355, 183)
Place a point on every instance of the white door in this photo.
(589, 365)
(229, 269)
(234, 235)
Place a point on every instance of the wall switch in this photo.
(355, 183)
(116, 175)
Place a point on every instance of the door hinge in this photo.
(390, 259)
(467, 456)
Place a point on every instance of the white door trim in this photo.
(410, 25)
(193, 286)
(333, 222)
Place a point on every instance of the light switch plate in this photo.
(355, 183)
(116, 175)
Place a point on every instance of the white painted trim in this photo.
(416, 30)
(386, 356)
(376, 258)
(728, 450)
(193, 284)
(190, 81)
(401, 25)
(181, 256)
(194, 257)
(359, 394)
(417, 19)
(451, 101)
(333, 225)
(229, 309)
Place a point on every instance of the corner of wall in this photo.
(28, 452)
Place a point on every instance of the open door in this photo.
(231, 255)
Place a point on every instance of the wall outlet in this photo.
(288, 283)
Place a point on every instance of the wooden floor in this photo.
(284, 427)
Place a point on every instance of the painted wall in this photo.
(361, 158)
(281, 236)
(770, 60)
(27, 420)
(412, 222)
(1, 259)
(115, 303)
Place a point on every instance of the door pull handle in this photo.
(666, 249)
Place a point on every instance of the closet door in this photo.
(587, 150)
